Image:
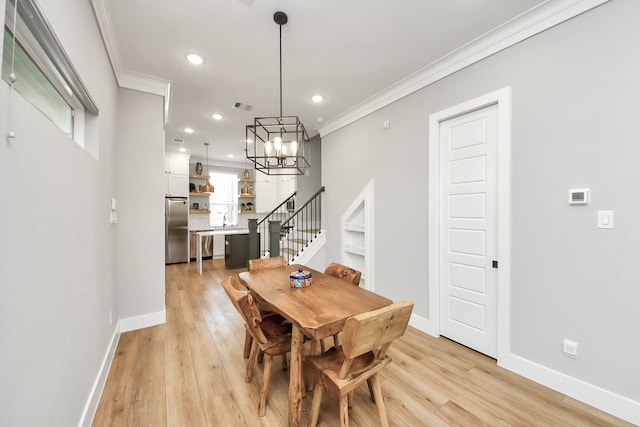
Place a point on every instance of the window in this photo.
(223, 203)
(34, 85)
(45, 75)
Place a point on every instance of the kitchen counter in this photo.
(217, 231)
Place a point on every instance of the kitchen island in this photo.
(221, 231)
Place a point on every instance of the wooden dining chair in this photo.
(265, 263)
(347, 274)
(343, 272)
(365, 341)
(271, 333)
(258, 265)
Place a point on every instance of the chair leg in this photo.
(315, 404)
(350, 399)
(252, 361)
(336, 340)
(284, 361)
(262, 407)
(377, 391)
(344, 411)
(373, 398)
(248, 340)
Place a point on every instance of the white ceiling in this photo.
(347, 51)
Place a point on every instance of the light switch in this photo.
(605, 219)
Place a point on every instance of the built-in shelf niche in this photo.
(356, 240)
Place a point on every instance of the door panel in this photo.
(468, 303)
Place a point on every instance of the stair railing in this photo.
(300, 228)
(280, 214)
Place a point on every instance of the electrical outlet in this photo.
(570, 348)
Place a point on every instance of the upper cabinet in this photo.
(273, 190)
(176, 175)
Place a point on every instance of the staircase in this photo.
(287, 231)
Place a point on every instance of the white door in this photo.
(468, 229)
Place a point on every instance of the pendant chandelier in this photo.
(207, 187)
(278, 145)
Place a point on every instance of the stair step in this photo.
(294, 240)
(289, 251)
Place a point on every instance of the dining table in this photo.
(317, 311)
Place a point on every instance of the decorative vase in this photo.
(246, 173)
(198, 168)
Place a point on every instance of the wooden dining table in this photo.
(317, 311)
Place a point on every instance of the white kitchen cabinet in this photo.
(176, 174)
(286, 187)
(273, 190)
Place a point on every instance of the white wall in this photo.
(140, 194)
(574, 96)
(59, 255)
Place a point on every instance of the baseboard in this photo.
(607, 401)
(98, 386)
(597, 397)
(143, 321)
(423, 325)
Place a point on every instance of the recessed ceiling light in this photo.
(188, 130)
(216, 116)
(182, 150)
(230, 156)
(195, 59)
(249, 141)
(317, 98)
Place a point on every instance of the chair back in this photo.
(244, 302)
(265, 263)
(343, 272)
(375, 330)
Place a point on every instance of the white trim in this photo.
(143, 321)
(128, 80)
(502, 98)
(597, 397)
(528, 24)
(422, 324)
(89, 411)
(366, 198)
(310, 251)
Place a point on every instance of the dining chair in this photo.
(264, 263)
(365, 341)
(347, 274)
(271, 333)
(258, 265)
(343, 272)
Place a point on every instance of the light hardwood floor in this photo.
(190, 373)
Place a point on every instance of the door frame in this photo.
(502, 98)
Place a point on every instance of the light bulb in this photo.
(294, 148)
(267, 148)
(277, 141)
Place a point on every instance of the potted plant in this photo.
(242, 206)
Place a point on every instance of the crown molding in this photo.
(528, 24)
(126, 79)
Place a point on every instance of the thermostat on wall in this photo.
(579, 196)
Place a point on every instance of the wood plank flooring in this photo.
(189, 372)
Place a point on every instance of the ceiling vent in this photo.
(178, 140)
(241, 106)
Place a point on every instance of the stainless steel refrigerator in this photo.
(176, 230)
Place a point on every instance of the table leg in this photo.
(295, 377)
(199, 252)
